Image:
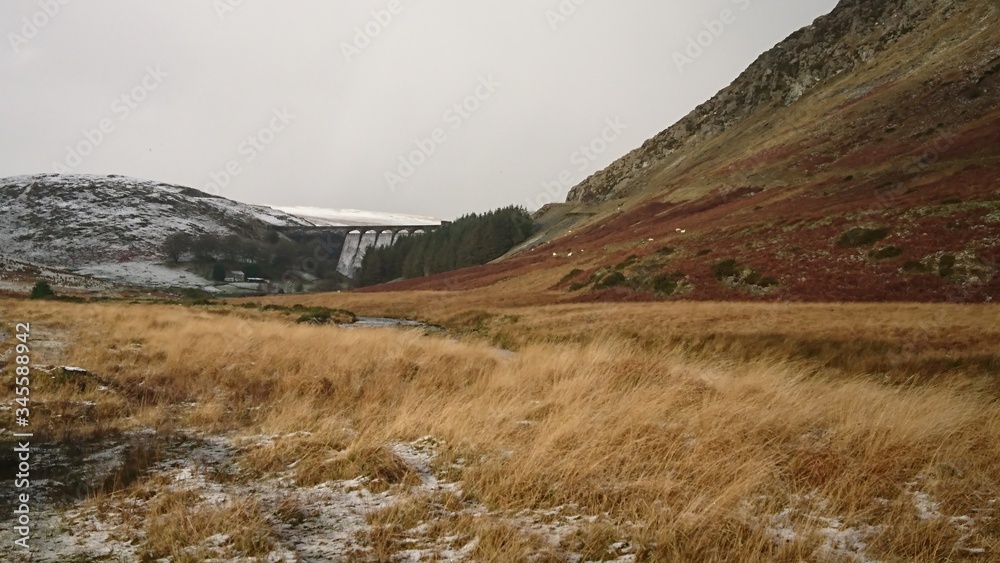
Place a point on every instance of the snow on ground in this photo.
(19, 276)
(15, 286)
(147, 274)
(839, 542)
(807, 516)
(356, 218)
(333, 516)
(59, 283)
(929, 509)
(269, 215)
(331, 521)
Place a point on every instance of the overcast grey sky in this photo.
(432, 107)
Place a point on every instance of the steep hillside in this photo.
(78, 220)
(869, 39)
(857, 160)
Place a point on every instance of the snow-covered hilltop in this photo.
(356, 218)
(113, 228)
(79, 220)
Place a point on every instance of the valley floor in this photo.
(522, 432)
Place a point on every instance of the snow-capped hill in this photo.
(356, 218)
(78, 220)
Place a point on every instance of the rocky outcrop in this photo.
(855, 32)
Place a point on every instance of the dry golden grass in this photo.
(176, 520)
(899, 342)
(695, 428)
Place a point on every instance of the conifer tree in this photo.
(470, 240)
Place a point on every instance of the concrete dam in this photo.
(357, 240)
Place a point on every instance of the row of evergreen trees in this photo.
(469, 241)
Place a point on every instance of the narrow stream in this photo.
(385, 322)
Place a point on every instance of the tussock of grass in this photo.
(176, 520)
(502, 541)
(388, 532)
(595, 541)
(379, 466)
(291, 510)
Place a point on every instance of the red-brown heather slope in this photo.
(881, 182)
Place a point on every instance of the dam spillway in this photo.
(358, 240)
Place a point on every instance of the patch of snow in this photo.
(334, 515)
(418, 456)
(927, 509)
(148, 274)
(805, 518)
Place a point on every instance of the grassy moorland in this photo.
(646, 432)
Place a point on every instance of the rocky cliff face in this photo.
(853, 34)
